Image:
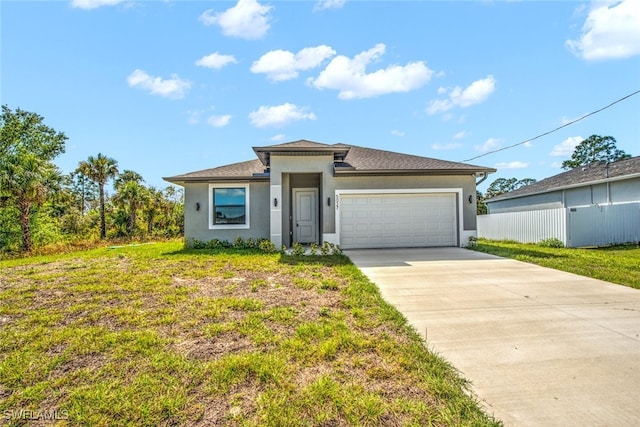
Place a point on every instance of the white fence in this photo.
(597, 225)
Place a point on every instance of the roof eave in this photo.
(203, 179)
(264, 153)
(430, 172)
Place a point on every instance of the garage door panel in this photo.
(398, 220)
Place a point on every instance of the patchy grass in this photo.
(161, 335)
(616, 264)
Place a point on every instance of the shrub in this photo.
(239, 243)
(551, 242)
(325, 249)
(298, 249)
(267, 245)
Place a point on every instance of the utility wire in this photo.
(556, 129)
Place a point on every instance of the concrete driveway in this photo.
(541, 347)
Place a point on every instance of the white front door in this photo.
(305, 215)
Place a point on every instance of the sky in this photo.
(169, 87)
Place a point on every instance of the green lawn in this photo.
(159, 335)
(618, 264)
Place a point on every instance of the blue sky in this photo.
(168, 87)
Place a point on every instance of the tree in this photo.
(481, 206)
(132, 195)
(27, 174)
(596, 148)
(99, 169)
(127, 176)
(83, 190)
(154, 203)
(504, 185)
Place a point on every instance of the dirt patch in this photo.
(208, 349)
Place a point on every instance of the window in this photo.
(230, 205)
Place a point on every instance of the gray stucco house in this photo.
(352, 196)
(595, 205)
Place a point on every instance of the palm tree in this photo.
(131, 194)
(155, 203)
(28, 184)
(99, 169)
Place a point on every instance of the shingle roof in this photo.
(252, 169)
(349, 160)
(369, 159)
(593, 173)
(302, 143)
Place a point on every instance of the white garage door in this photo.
(397, 220)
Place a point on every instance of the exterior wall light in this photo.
(197, 206)
(328, 201)
(470, 198)
(275, 202)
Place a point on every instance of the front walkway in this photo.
(541, 347)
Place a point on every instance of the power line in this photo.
(556, 129)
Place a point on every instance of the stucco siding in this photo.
(197, 221)
(311, 171)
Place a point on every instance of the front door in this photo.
(305, 215)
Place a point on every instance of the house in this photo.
(352, 196)
(594, 205)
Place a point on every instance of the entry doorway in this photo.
(305, 215)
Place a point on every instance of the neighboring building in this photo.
(594, 205)
(355, 197)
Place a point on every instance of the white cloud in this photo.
(511, 165)
(611, 31)
(248, 19)
(280, 65)
(216, 61)
(396, 132)
(279, 115)
(93, 4)
(328, 4)
(460, 135)
(448, 146)
(475, 93)
(174, 88)
(349, 76)
(278, 138)
(219, 121)
(566, 147)
(489, 145)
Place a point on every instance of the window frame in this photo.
(212, 209)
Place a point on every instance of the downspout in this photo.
(485, 175)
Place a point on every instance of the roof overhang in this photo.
(351, 171)
(265, 153)
(210, 179)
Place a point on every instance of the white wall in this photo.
(602, 225)
(525, 227)
(596, 225)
